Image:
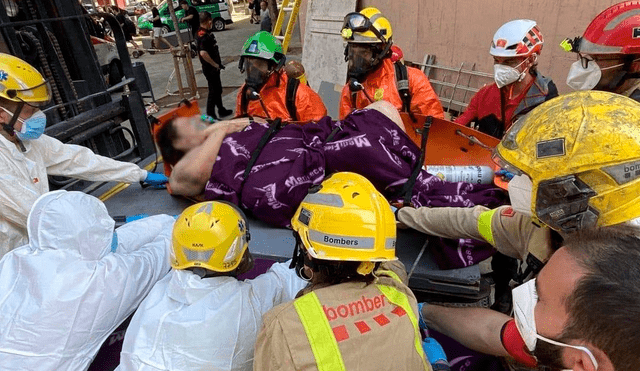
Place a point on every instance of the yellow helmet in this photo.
(346, 219)
(20, 82)
(582, 154)
(367, 26)
(212, 235)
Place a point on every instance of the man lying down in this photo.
(219, 162)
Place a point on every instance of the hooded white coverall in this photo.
(189, 323)
(23, 178)
(64, 293)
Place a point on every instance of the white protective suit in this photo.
(65, 292)
(23, 179)
(188, 323)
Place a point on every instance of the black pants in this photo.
(214, 99)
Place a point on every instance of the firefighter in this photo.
(518, 86)
(200, 311)
(576, 158)
(27, 155)
(373, 75)
(268, 92)
(608, 52)
(352, 315)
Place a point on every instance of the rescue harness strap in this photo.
(292, 91)
(402, 84)
(274, 127)
(407, 189)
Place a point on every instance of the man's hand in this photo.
(156, 180)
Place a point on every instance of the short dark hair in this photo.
(604, 308)
(184, 2)
(164, 139)
(205, 16)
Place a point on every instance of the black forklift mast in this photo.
(53, 36)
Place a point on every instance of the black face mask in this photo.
(256, 78)
(359, 66)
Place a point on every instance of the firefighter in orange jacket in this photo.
(373, 75)
(267, 91)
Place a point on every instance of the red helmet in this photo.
(614, 31)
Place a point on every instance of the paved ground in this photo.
(230, 41)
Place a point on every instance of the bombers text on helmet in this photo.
(212, 235)
(520, 37)
(614, 31)
(366, 26)
(263, 45)
(582, 153)
(346, 219)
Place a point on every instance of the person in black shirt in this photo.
(211, 65)
(157, 29)
(128, 27)
(191, 16)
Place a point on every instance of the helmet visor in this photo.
(356, 22)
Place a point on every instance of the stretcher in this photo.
(276, 244)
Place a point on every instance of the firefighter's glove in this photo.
(156, 180)
(505, 174)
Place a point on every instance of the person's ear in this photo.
(579, 360)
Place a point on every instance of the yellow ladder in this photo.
(293, 11)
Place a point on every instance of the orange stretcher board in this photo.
(452, 144)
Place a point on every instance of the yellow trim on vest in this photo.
(319, 333)
(484, 225)
(400, 299)
(392, 274)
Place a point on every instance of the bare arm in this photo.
(191, 173)
(207, 58)
(476, 328)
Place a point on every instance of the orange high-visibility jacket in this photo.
(381, 85)
(309, 105)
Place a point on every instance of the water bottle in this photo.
(470, 174)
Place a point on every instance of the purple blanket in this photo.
(368, 143)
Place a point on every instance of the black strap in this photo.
(275, 126)
(333, 132)
(402, 84)
(502, 107)
(407, 189)
(244, 103)
(292, 91)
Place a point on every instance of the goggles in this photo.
(28, 95)
(356, 22)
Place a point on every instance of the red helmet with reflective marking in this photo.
(614, 31)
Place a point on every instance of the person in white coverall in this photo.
(27, 156)
(75, 282)
(200, 317)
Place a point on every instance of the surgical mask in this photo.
(525, 298)
(520, 188)
(505, 75)
(581, 78)
(33, 127)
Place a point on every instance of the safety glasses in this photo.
(356, 22)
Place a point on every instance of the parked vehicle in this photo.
(108, 59)
(218, 8)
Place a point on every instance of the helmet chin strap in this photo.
(9, 127)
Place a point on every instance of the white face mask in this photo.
(520, 188)
(580, 78)
(505, 75)
(525, 299)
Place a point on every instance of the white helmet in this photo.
(520, 37)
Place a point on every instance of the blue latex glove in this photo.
(421, 321)
(435, 354)
(130, 218)
(156, 180)
(505, 174)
